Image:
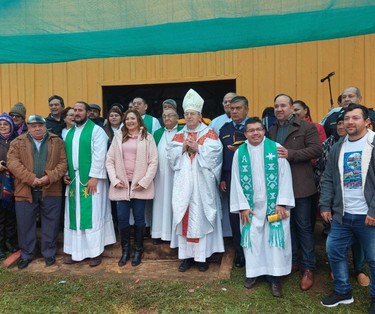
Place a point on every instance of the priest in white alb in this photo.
(88, 225)
(262, 194)
(195, 155)
(161, 229)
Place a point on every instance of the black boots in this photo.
(139, 232)
(125, 244)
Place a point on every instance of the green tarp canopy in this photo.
(36, 31)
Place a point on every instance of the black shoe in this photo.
(335, 299)
(23, 263)
(157, 241)
(239, 260)
(96, 261)
(371, 310)
(276, 289)
(202, 266)
(10, 247)
(185, 265)
(250, 282)
(50, 260)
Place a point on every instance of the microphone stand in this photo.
(330, 93)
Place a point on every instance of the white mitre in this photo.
(193, 101)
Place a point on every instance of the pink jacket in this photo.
(146, 165)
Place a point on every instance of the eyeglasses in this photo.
(168, 116)
(14, 115)
(254, 130)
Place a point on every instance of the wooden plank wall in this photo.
(260, 74)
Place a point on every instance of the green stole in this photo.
(159, 133)
(147, 119)
(276, 236)
(84, 166)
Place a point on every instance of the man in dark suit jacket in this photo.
(300, 141)
(238, 108)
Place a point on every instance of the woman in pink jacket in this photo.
(132, 162)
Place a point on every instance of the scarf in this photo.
(276, 236)
(84, 166)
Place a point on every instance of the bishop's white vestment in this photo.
(196, 228)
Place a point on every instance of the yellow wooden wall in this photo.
(260, 74)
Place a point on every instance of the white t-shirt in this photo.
(354, 200)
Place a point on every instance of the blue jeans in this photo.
(123, 212)
(339, 240)
(302, 234)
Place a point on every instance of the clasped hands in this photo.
(190, 145)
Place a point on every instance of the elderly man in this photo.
(37, 160)
(262, 187)
(239, 108)
(347, 202)
(217, 123)
(162, 205)
(54, 122)
(349, 95)
(195, 154)
(168, 104)
(88, 219)
(300, 144)
(152, 124)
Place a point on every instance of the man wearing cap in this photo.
(168, 104)
(88, 220)
(18, 114)
(219, 121)
(195, 155)
(54, 122)
(37, 160)
(152, 124)
(94, 115)
(162, 205)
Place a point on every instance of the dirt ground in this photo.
(159, 261)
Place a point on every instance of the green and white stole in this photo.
(276, 236)
(147, 119)
(159, 133)
(84, 166)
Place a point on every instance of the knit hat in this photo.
(340, 116)
(192, 101)
(7, 118)
(20, 109)
(171, 102)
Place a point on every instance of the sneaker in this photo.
(335, 299)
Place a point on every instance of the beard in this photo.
(81, 122)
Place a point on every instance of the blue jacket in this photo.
(226, 138)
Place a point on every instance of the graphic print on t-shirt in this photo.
(352, 170)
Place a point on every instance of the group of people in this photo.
(184, 180)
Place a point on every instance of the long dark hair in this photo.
(142, 126)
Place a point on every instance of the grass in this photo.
(26, 292)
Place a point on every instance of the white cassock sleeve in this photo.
(99, 142)
(285, 195)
